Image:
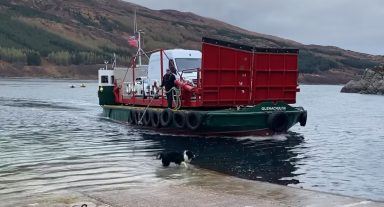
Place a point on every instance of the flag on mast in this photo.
(133, 41)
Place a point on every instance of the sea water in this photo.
(53, 138)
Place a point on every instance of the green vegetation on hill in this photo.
(311, 63)
(75, 32)
(27, 44)
(26, 11)
(359, 63)
(33, 38)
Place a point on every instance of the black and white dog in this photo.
(176, 157)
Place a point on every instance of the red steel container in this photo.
(233, 74)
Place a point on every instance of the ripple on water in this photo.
(58, 140)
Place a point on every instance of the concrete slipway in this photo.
(212, 189)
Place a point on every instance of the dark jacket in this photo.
(168, 81)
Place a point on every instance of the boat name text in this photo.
(274, 108)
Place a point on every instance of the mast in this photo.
(114, 60)
(139, 50)
(138, 36)
(134, 24)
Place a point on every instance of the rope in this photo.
(176, 97)
(145, 110)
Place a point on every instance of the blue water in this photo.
(54, 138)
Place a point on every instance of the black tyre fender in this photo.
(179, 119)
(278, 121)
(138, 116)
(132, 117)
(166, 117)
(109, 113)
(303, 118)
(155, 119)
(147, 118)
(194, 120)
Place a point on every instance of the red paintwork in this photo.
(230, 77)
(233, 77)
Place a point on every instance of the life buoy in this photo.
(179, 119)
(147, 118)
(193, 120)
(303, 118)
(155, 119)
(166, 117)
(278, 121)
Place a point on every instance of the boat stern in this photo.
(267, 116)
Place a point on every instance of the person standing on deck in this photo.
(169, 82)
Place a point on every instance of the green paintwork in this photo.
(106, 96)
(228, 120)
(251, 118)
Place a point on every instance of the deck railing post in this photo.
(161, 74)
(134, 79)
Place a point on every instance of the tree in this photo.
(33, 58)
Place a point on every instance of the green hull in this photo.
(264, 119)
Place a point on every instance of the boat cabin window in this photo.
(104, 79)
(112, 79)
(187, 63)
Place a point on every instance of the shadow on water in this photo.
(272, 160)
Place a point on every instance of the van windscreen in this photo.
(183, 64)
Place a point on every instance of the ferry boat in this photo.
(226, 88)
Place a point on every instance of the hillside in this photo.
(55, 33)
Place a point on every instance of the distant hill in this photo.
(85, 32)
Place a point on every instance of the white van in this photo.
(186, 63)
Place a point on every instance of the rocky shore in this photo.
(371, 82)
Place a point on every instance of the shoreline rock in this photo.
(371, 82)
